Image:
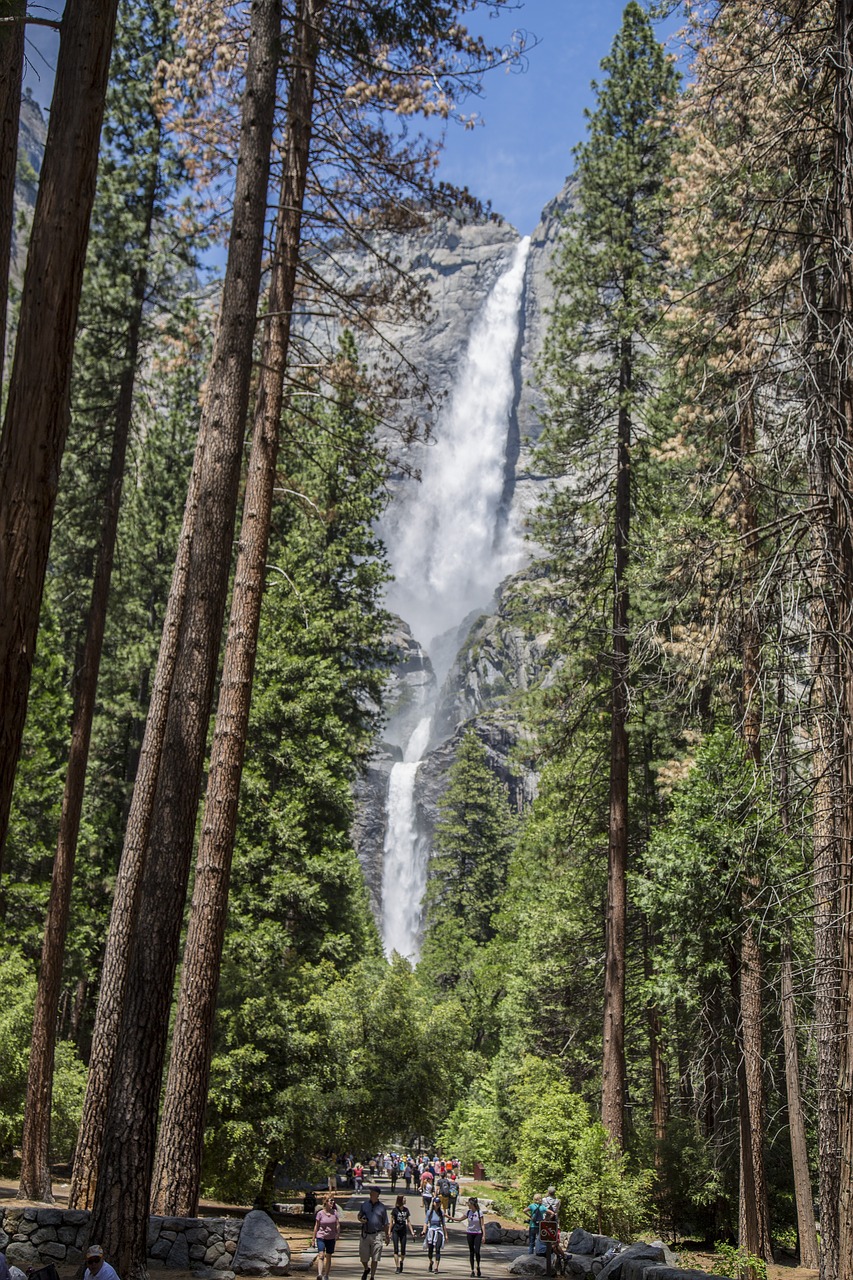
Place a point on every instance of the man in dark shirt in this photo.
(375, 1231)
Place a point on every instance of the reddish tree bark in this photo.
(35, 1181)
(178, 1165)
(120, 1211)
(613, 1060)
(36, 419)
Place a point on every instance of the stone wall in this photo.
(205, 1246)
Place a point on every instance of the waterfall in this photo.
(448, 556)
(403, 867)
(444, 550)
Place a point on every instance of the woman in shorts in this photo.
(327, 1230)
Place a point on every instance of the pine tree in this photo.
(474, 839)
(596, 368)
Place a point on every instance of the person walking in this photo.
(375, 1230)
(435, 1230)
(474, 1231)
(401, 1225)
(535, 1212)
(358, 1175)
(327, 1232)
(426, 1189)
(454, 1196)
(444, 1189)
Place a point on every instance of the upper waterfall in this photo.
(446, 550)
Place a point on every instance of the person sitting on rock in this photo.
(97, 1267)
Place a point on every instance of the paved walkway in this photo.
(455, 1259)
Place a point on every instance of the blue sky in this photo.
(521, 153)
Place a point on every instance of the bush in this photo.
(600, 1193)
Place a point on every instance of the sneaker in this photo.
(430, 1264)
(365, 1273)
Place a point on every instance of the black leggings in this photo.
(475, 1239)
(435, 1247)
(399, 1239)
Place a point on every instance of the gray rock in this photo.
(49, 1217)
(179, 1255)
(4, 1239)
(581, 1241)
(21, 1252)
(76, 1217)
(68, 1235)
(160, 1250)
(221, 1265)
(261, 1250)
(153, 1232)
(528, 1264)
(197, 1235)
(53, 1249)
(168, 1235)
(176, 1225)
(156, 1264)
(215, 1237)
(213, 1253)
(197, 1251)
(600, 1244)
(42, 1234)
(31, 1215)
(208, 1273)
(669, 1257)
(82, 1236)
(492, 1233)
(637, 1252)
(582, 1264)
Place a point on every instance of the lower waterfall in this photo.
(404, 865)
(448, 557)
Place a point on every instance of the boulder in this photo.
(528, 1264)
(160, 1250)
(76, 1217)
(600, 1245)
(581, 1241)
(581, 1264)
(677, 1273)
(261, 1251)
(646, 1253)
(492, 1234)
(68, 1235)
(43, 1234)
(668, 1256)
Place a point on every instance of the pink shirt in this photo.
(328, 1225)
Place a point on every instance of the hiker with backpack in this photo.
(435, 1230)
(534, 1213)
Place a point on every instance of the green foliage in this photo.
(601, 1193)
(734, 1261)
(553, 1123)
(18, 984)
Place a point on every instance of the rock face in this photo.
(261, 1250)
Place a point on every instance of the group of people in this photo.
(546, 1209)
(395, 1166)
(380, 1228)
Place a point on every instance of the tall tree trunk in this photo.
(177, 1172)
(120, 1211)
(842, 275)
(806, 1230)
(754, 1227)
(799, 1150)
(11, 76)
(36, 419)
(35, 1181)
(613, 1062)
